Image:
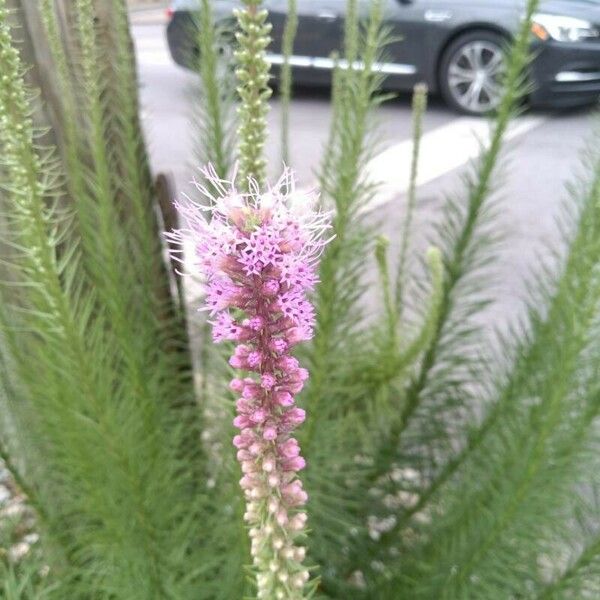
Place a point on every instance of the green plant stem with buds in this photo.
(253, 89)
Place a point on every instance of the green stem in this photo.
(391, 315)
(289, 34)
(419, 106)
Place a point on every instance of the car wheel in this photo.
(471, 72)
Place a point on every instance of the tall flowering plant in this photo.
(258, 252)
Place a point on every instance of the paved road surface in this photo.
(543, 155)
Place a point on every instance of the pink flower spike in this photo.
(246, 482)
(258, 254)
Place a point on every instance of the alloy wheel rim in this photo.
(474, 76)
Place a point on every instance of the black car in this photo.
(455, 46)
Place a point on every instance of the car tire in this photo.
(469, 72)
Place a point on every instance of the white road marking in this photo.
(442, 150)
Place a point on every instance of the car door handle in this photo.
(327, 15)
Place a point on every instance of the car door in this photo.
(320, 31)
(407, 60)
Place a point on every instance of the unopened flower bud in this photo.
(270, 433)
(268, 464)
(298, 522)
(284, 398)
(281, 517)
(299, 553)
(236, 385)
(278, 543)
(300, 579)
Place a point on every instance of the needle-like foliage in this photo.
(98, 385)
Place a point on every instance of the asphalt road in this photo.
(542, 156)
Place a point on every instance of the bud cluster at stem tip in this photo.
(253, 76)
(259, 253)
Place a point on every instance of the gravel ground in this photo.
(17, 521)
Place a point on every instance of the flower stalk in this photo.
(259, 254)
